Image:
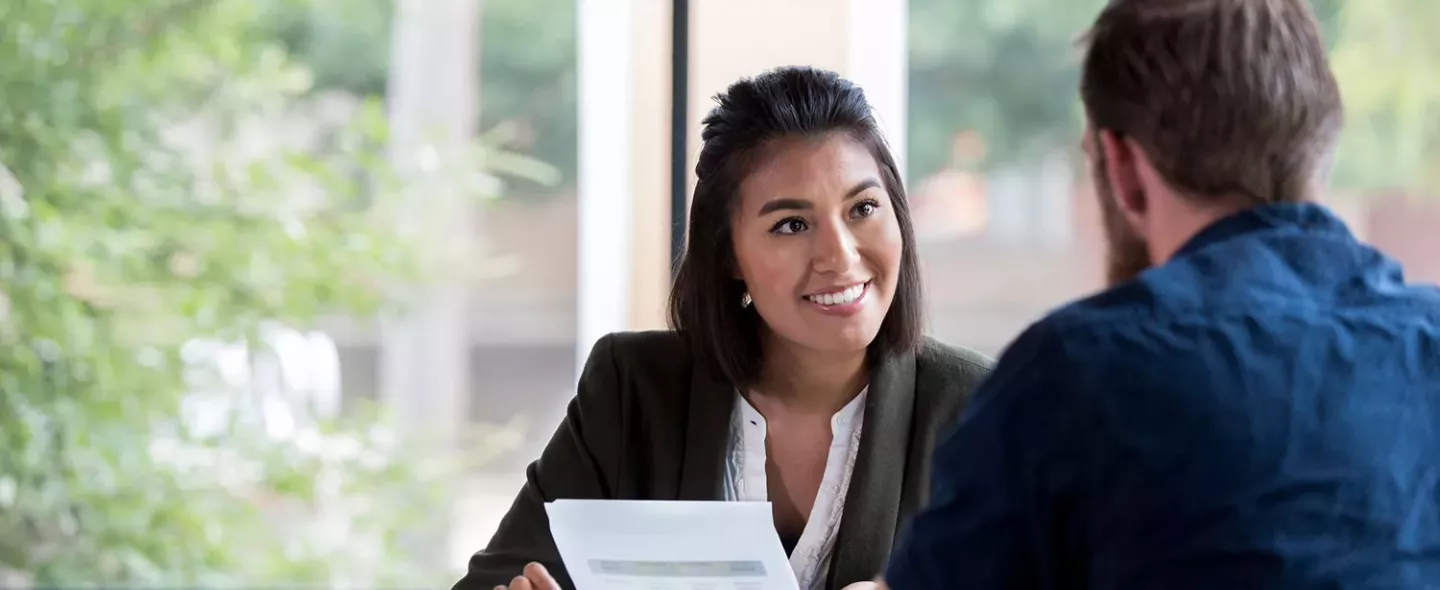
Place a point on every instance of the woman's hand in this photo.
(535, 577)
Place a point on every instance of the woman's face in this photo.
(817, 243)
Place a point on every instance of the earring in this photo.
(745, 300)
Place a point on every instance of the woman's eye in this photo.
(793, 225)
(866, 208)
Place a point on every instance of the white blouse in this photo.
(745, 481)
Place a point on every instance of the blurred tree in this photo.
(1387, 56)
(167, 180)
(1009, 71)
(527, 61)
(1005, 70)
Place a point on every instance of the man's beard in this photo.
(1126, 254)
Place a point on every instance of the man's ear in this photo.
(1122, 158)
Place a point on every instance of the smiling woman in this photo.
(796, 373)
(819, 246)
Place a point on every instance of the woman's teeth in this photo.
(841, 298)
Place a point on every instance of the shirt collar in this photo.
(1304, 217)
(847, 420)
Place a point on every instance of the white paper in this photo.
(611, 544)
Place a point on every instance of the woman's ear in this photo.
(733, 266)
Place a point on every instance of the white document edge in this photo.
(655, 544)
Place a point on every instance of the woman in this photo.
(796, 372)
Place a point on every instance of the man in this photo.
(1255, 402)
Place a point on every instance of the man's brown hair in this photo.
(1224, 96)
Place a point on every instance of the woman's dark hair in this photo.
(705, 305)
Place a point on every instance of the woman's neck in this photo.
(807, 381)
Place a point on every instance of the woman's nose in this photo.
(835, 249)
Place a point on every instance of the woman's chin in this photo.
(850, 341)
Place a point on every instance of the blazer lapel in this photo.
(872, 506)
(707, 430)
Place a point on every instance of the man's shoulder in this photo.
(1136, 354)
(1177, 297)
(1158, 292)
(1111, 338)
(1078, 326)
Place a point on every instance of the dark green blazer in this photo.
(648, 423)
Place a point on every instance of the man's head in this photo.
(1198, 109)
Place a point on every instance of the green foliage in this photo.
(346, 44)
(527, 63)
(1006, 70)
(530, 79)
(1387, 56)
(1009, 71)
(167, 180)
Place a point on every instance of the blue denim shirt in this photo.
(1261, 412)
